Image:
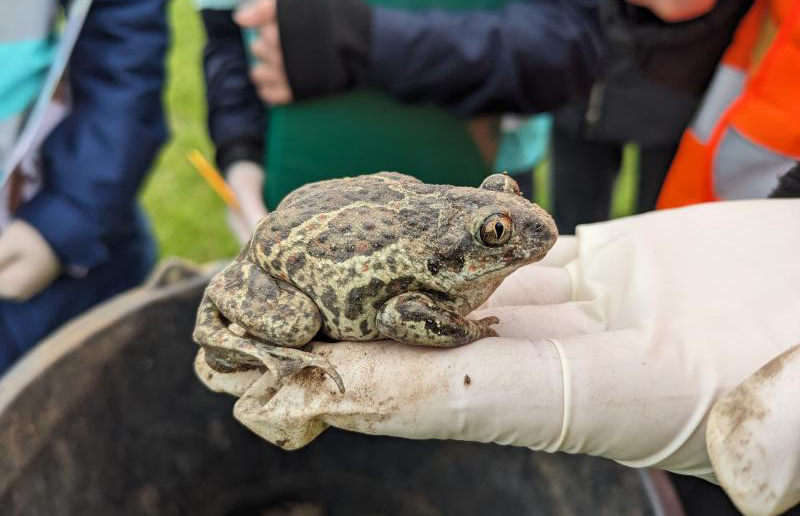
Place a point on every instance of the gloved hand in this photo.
(246, 179)
(617, 344)
(753, 438)
(27, 262)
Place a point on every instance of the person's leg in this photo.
(654, 163)
(583, 174)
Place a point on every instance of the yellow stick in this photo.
(213, 178)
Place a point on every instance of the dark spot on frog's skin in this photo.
(509, 256)
(457, 333)
(420, 219)
(420, 309)
(364, 328)
(357, 296)
(295, 263)
(329, 301)
(399, 285)
(433, 267)
(453, 258)
(276, 265)
(438, 295)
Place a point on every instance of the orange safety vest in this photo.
(746, 132)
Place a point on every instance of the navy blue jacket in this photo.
(94, 163)
(96, 159)
(529, 57)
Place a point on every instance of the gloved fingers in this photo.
(564, 251)
(240, 228)
(9, 245)
(533, 284)
(22, 279)
(33, 264)
(536, 322)
(638, 400)
(235, 384)
(246, 179)
(753, 438)
(493, 390)
(7, 256)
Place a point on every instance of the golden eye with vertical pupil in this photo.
(496, 230)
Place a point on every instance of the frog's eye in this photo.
(496, 230)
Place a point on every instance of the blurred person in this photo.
(278, 84)
(357, 45)
(72, 234)
(745, 134)
(626, 106)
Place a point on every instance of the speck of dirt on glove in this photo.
(467, 379)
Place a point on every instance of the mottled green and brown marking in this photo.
(361, 258)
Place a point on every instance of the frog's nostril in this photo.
(538, 227)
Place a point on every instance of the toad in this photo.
(369, 257)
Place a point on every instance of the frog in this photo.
(376, 256)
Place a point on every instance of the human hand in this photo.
(753, 438)
(676, 10)
(27, 262)
(269, 75)
(617, 344)
(246, 179)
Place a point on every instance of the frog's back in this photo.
(337, 241)
(332, 194)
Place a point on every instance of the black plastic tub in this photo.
(107, 418)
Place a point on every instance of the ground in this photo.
(187, 216)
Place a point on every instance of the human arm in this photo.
(95, 159)
(527, 57)
(237, 121)
(618, 344)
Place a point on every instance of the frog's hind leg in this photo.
(242, 300)
(267, 307)
(415, 318)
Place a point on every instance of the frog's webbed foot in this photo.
(416, 318)
(229, 348)
(282, 361)
(249, 319)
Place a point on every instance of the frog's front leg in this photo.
(415, 318)
(243, 302)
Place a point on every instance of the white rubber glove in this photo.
(617, 344)
(246, 179)
(753, 438)
(27, 262)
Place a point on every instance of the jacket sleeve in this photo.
(236, 116)
(95, 160)
(529, 57)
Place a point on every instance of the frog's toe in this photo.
(294, 360)
(486, 326)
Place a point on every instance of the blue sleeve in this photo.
(96, 159)
(528, 57)
(237, 120)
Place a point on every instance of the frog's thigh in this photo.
(266, 307)
(415, 318)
